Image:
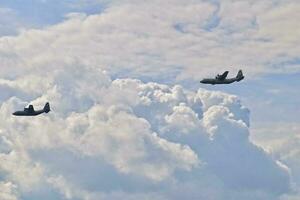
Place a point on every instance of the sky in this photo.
(130, 119)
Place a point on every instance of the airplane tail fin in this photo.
(47, 107)
(240, 75)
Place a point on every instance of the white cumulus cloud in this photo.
(135, 132)
(110, 136)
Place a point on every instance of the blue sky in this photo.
(39, 13)
(270, 97)
(165, 42)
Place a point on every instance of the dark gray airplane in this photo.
(31, 112)
(221, 79)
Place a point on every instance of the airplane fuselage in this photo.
(31, 112)
(26, 113)
(216, 81)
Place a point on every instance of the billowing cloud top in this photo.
(129, 133)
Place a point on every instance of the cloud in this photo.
(282, 141)
(140, 135)
(8, 191)
(129, 38)
(110, 136)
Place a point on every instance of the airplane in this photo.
(221, 79)
(31, 112)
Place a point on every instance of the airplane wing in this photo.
(30, 108)
(223, 76)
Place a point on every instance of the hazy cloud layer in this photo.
(185, 39)
(282, 140)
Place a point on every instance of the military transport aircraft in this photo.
(221, 79)
(31, 112)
